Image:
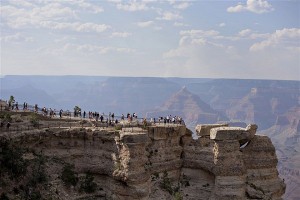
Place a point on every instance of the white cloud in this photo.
(54, 11)
(171, 2)
(132, 6)
(75, 26)
(196, 58)
(18, 37)
(178, 24)
(201, 37)
(90, 27)
(249, 34)
(287, 38)
(87, 6)
(125, 50)
(182, 6)
(244, 32)
(256, 6)
(168, 16)
(90, 48)
(22, 3)
(50, 16)
(222, 25)
(197, 49)
(54, 15)
(19, 17)
(145, 24)
(93, 49)
(115, 1)
(259, 35)
(199, 33)
(120, 34)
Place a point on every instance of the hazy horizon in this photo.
(70, 75)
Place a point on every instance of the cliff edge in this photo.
(152, 162)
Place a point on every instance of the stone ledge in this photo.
(233, 133)
(204, 129)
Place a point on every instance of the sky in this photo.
(253, 39)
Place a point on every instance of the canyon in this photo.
(156, 161)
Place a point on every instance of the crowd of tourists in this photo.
(110, 118)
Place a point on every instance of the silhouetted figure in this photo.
(7, 125)
(36, 108)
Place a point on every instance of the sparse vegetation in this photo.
(27, 177)
(69, 176)
(167, 185)
(148, 165)
(11, 160)
(34, 119)
(178, 196)
(6, 116)
(88, 185)
(11, 100)
(4, 197)
(38, 170)
(118, 127)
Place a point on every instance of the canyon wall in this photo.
(161, 162)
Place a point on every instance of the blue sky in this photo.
(255, 39)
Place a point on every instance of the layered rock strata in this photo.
(164, 162)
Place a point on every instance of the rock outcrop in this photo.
(163, 162)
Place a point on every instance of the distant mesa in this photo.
(189, 106)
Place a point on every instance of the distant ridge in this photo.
(189, 106)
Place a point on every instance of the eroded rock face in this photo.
(164, 162)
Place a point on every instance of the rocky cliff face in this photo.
(160, 162)
(189, 106)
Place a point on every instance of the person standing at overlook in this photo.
(7, 125)
(113, 116)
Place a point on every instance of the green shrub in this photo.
(38, 171)
(6, 116)
(166, 183)
(118, 127)
(3, 197)
(68, 176)
(34, 119)
(178, 196)
(11, 160)
(88, 185)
